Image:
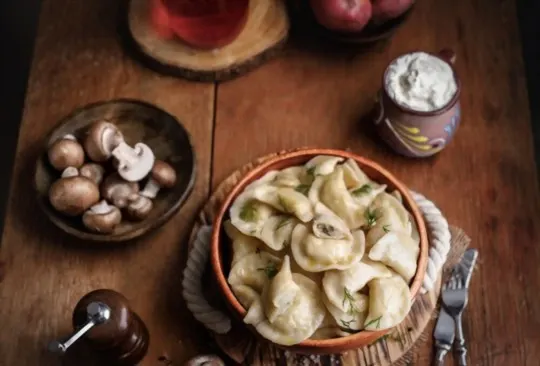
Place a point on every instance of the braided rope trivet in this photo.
(220, 323)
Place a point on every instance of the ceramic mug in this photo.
(414, 133)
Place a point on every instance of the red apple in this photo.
(342, 15)
(384, 10)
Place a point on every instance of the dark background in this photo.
(18, 25)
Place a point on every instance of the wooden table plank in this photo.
(485, 181)
(78, 60)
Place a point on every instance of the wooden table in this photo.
(485, 181)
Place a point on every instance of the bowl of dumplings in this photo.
(319, 251)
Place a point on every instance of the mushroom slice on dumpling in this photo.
(398, 251)
(323, 164)
(314, 254)
(327, 225)
(389, 303)
(254, 270)
(298, 322)
(286, 200)
(338, 285)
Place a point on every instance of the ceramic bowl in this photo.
(139, 122)
(220, 245)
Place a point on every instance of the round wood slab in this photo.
(244, 348)
(264, 34)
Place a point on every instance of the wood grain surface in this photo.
(485, 181)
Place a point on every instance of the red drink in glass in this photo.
(200, 23)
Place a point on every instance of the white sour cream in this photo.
(421, 82)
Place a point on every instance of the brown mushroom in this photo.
(66, 152)
(117, 191)
(205, 360)
(93, 171)
(102, 218)
(161, 176)
(73, 195)
(139, 207)
(101, 139)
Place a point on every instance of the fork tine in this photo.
(454, 283)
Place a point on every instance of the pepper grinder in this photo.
(103, 319)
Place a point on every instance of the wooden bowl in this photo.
(371, 34)
(139, 122)
(220, 244)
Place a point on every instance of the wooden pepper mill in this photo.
(105, 321)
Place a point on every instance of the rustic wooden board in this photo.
(78, 60)
(263, 36)
(485, 181)
(242, 347)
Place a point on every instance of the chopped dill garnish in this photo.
(348, 298)
(302, 188)
(376, 322)
(386, 228)
(270, 270)
(249, 212)
(365, 189)
(371, 217)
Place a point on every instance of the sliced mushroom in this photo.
(101, 139)
(66, 152)
(205, 360)
(102, 218)
(117, 191)
(328, 225)
(161, 176)
(135, 163)
(73, 195)
(93, 171)
(139, 207)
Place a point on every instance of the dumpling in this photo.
(298, 322)
(280, 293)
(242, 244)
(351, 312)
(315, 254)
(398, 251)
(389, 215)
(389, 303)
(328, 329)
(254, 270)
(314, 193)
(286, 200)
(334, 195)
(327, 225)
(291, 177)
(249, 215)
(323, 164)
(337, 284)
(245, 294)
(269, 177)
(353, 175)
(277, 230)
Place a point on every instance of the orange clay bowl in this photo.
(220, 245)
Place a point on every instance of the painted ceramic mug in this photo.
(418, 133)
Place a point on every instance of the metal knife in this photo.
(444, 333)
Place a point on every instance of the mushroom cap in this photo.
(73, 195)
(92, 171)
(144, 164)
(102, 218)
(66, 153)
(205, 360)
(101, 139)
(116, 190)
(139, 208)
(164, 174)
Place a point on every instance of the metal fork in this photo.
(454, 300)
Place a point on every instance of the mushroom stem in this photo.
(151, 189)
(126, 155)
(101, 208)
(70, 172)
(69, 137)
